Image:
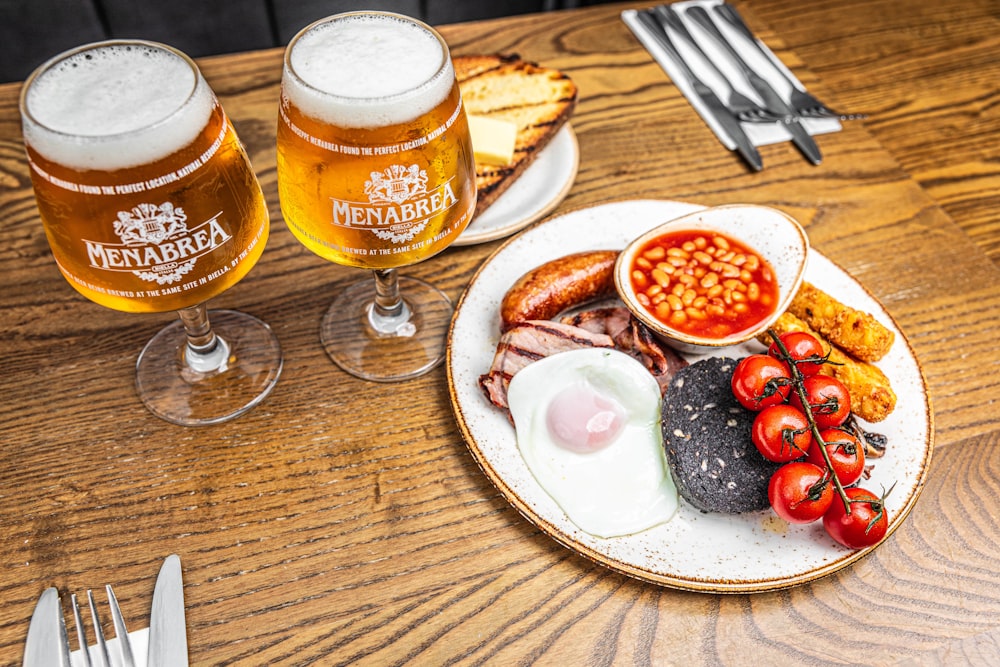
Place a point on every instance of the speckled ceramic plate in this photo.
(695, 550)
(541, 187)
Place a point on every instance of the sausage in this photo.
(549, 289)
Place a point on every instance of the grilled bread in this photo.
(538, 100)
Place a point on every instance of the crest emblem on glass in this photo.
(376, 171)
(150, 204)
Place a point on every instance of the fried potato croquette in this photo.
(872, 397)
(854, 331)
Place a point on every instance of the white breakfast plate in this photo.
(695, 551)
(541, 187)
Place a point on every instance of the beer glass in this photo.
(150, 204)
(376, 171)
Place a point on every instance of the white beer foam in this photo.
(367, 70)
(116, 106)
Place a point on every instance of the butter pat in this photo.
(493, 140)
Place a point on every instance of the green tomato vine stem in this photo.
(800, 389)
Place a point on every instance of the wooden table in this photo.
(343, 521)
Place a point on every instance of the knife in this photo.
(48, 643)
(668, 15)
(712, 103)
(733, 18)
(772, 101)
(167, 627)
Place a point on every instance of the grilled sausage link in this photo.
(557, 285)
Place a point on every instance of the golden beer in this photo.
(148, 199)
(150, 204)
(373, 170)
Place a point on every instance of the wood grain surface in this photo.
(345, 522)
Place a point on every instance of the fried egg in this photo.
(588, 428)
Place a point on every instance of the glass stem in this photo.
(205, 352)
(389, 315)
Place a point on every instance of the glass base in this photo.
(384, 349)
(237, 375)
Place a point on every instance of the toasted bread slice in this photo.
(538, 100)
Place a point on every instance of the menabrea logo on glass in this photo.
(156, 243)
(399, 204)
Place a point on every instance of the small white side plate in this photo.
(541, 187)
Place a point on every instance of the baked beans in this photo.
(703, 283)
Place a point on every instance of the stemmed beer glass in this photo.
(150, 204)
(376, 170)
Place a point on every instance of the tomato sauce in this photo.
(704, 284)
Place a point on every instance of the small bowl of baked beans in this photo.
(713, 278)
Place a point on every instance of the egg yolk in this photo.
(581, 420)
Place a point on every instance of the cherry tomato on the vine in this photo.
(781, 433)
(800, 492)
(828, 397)
(864, 526)
(805, 350)
(761, 380)
(847, 454)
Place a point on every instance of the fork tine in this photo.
(124, 644)
(98, 630)
(80, 635)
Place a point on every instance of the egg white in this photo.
(621, 489)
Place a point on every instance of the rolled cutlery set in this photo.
(165, 643)
(742, 91)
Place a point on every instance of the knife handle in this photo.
(701, 17)
(660, 35)
(731, 16)
(668, 16)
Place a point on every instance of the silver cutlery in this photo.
(124, 645)
(726, 119)
(167, 626)
(745, 109)
(772, 101)
(802, 102)
(48, 641)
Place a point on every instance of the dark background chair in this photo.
(31, 31)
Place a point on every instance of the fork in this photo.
(804, 104)
(739, 104)
(124, 645)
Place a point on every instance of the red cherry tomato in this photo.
(781, 433)
(760, 380)
(828, 397)
(847, 454)
(864, 526)
(805, 350)
(800, 492)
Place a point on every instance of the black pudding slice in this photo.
(706, 433)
